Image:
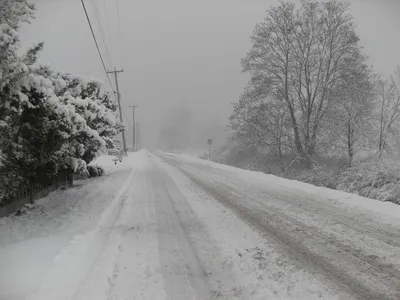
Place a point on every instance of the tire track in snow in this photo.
(261, 270)
(76, 263)
(361, 223)
(270, 222)
(136, 268)
(306, 258)
(185, 279)
(357, 232)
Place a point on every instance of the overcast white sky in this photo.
(182, 51)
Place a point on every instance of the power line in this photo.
(119, 32)
(126, 119)
(97, 45)
(120, 41)
(101, 58)
(119, 19)
(101, 28)
(107, 22)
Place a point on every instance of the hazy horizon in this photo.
(181, 53)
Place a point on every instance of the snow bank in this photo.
(107, 163)
(40, 245)
(351, 201)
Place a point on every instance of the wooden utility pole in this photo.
(134, 127)
(137, 136)
(116, 72)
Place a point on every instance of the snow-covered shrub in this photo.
(10, 181)
(95, 170)
(235, 155)
(49, 121)
(12, 68)
(24, 209)
(319, 176)
(79, 166)
(376, 179)
(88, 99)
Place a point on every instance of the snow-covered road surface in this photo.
(166, 226)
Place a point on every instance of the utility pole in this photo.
(116, 72)
(134, 127)
(137, 136)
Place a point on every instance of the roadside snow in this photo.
(240, 262)
(107, 162)
(350, 201)
(352, 248)
(193, 153)
(56, 238)
(146, 230)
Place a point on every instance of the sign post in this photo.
(209, 142)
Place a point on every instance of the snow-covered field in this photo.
(170, 226)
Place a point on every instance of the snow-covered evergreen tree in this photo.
(49, 121)
(12, 68)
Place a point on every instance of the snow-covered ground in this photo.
(379, 209)
(194, 153)
(169, 226)
(109, 165)
(30, 244)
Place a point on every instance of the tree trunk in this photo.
(381, 148)
(297, 141)
(69, 177)
(281, 158)
(350, 146)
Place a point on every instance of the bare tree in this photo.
(388, 119)
(262, 123)
(350, 119)
(299, 55)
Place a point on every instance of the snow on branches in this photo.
(48, 120)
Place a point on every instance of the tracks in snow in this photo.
(348, 270)
(176, 231)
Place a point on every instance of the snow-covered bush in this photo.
(12, 68)
(377, 179)
(97, 107)
(49, 121)
(319, 176)
(95, 170)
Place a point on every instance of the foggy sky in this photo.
(182, 52)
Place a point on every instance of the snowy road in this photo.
(180, 228)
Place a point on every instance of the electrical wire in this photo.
(101, 28)
(101, 58)
(126, 118)
(97, 45)
(105, 8)
(119, 31)
(119, 19)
